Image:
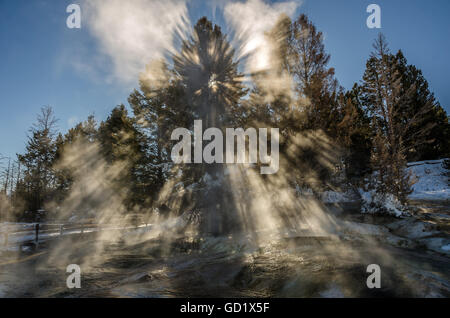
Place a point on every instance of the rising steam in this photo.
(136, 32)
(141, 33)
(254, 24)
(132, 33)
(251, 21)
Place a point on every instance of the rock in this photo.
(436, 244)
(412, 228)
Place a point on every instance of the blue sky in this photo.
(42, 62)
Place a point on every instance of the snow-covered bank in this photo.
(430, 184)
(374, 203)
(430, 180)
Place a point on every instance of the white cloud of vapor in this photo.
(134, 32)
(251, 20)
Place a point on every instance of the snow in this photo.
(431, 183)
(437, 244)
(15, 227)
(304, 192)
(373, 203)
(335, 197)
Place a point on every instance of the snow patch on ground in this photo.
(375, 203)
(335, 197)
(431, 183)
(16, 226)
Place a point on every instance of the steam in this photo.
(132, 33)
(96, 184)
(139, 36)
(253, 22)
(98, 195)
(136, 33)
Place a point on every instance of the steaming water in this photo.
(236, 266)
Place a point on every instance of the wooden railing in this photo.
(35, 231)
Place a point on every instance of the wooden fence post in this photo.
(36, 238)
(61, 229)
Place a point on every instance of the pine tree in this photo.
(313, 112)
(271, 102)
(159, 107)
(208, 71)
(83, 133)
(39, 177)
(203, 84)
(398, 127)
(315, 82)
(427, 138)
(355, 134)
(121, 143)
